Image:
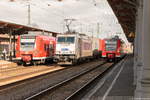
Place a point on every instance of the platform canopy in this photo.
(125, 11)
(17, 29)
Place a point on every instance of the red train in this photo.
(35, 49)
(112, 49)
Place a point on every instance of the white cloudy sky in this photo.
(50, 15)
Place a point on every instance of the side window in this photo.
(51, 46)
(46, 48)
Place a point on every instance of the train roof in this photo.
(39, 35)
(83, 36)
(67, 35)
(74, 34)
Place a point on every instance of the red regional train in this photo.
(112, 49)
(35, 49)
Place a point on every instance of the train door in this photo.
(80, 47)
(51, 49)
(46, 46)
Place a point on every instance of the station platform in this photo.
(118, 85)
(124, 87)
(6, 64)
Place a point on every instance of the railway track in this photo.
(26, 88)
(68, 88)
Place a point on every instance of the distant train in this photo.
(34, 49)
(73, 48)
(112, 49)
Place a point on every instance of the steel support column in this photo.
(138, 41)
(139, 63)
(135, 53)
(144, 82)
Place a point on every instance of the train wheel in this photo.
(74, 62)
(49, 61)
(19, 63)
(109, 60)
(35, 63)
(24, 64)
(46, 61)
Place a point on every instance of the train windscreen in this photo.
(27, 43)
(66, 39)
(111, 45)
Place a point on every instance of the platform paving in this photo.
(22, 73)
(119, 84)
(6, 64)
(123, 86)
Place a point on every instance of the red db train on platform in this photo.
(35, 49)
(112, 49)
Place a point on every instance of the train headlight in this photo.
(72, 52)
(118, 50)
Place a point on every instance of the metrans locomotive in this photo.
(73, 48)
(34, 49)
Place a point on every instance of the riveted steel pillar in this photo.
(139, 35)
(138, 40)
(138, 63)
(136, 50)
(145, 76)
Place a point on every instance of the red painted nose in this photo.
(26, 58)
(110, 55)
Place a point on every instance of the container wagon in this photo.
(96, 47)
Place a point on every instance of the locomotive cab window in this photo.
(61, 39)
(70, 40)
(111, 45)
(66, 39)
(27, 44)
